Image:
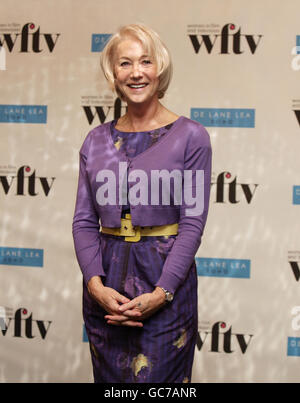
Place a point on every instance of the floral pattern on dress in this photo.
(134, 143)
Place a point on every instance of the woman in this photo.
(140, 280)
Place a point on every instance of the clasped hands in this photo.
(121, 311)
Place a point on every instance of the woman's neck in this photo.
(145, 117)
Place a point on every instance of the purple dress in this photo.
(163, 349)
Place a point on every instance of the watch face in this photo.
(169, 296)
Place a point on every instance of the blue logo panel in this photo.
(84, 335)
(216, 267)
(215, 117)
(296, 194)
(293, 348)
(23, 114)
(99, 41)
(298, 44)
(21, 257)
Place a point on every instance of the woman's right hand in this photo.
(110, 300)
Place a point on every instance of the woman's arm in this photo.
(87, 244)
(198, 156)
(86, 223)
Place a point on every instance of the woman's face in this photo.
(135, 72)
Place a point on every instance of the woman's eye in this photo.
(124, 64)
(147, 61)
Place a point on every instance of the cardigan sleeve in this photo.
(86, 226)
(198, 156)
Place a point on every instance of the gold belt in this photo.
(134, 233)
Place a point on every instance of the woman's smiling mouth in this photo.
(137, 86)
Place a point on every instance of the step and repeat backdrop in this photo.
(236, 71)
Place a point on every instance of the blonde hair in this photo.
(152, 44)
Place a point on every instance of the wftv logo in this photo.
(28, 39)
(20, 179)
(23, 324)
(221, 339)
(296, 107)
(225, 41)
(294, 261)
(233, 192)
(105, 108)
(297, 114)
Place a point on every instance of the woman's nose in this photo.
(136, 70)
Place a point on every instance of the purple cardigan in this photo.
(186, 147)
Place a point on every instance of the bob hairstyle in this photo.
(153, 46)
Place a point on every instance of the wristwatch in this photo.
(168, 295)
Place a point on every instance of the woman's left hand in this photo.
(146, 304)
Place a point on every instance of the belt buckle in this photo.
(127, 225)
(136, 237)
